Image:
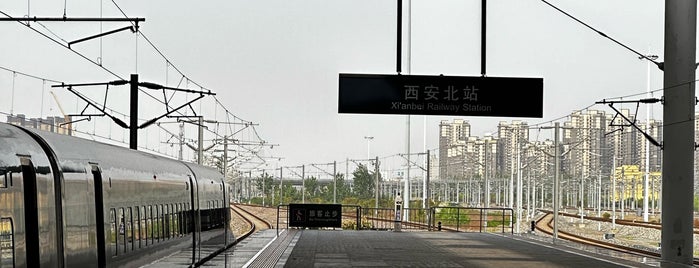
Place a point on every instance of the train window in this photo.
(129, 229)
(144, 225)
(5, 174)
(178, 221)
(187, 219)
(172, 222)
(169, 221)
(183, 218)
(161, 220)
(113, 236)
(7, 243)
(156, 223)
(149, 225)
(166, 222)
(137, 227)
(122, 228)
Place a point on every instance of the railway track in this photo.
(254, 222)
(644, 224)
(545, 225)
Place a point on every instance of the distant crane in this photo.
(66, 117)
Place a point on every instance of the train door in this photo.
(194, 220)
(225, 209)
(99, 215)
(31, 213)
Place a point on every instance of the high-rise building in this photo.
(585, 148)
(655, 153)
(511, 139)
(452, 143)
(592, 142)
(621, 136)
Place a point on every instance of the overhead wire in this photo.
(29, 75)
(217, 101)
(65, 46)
(169, 62)
(604, 35)
(55, 81)
(86, 58)
(15, 72)
(12, 98)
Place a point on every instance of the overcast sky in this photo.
(276, 63)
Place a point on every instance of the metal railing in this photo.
(385, 219)
(455, 219)
(472, 219)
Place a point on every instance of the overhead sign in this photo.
(315, 215)
(441, 95)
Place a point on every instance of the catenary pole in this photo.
(678, 146)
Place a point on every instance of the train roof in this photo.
(74, 152)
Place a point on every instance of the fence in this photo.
(465, 219)
(456, 219)
(385, 219)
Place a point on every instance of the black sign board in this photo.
(441, 95)
(315, 215)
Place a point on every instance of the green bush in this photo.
(452, 216)
(606, 215)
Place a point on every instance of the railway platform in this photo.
(347, 248)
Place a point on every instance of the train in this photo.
(72, 202)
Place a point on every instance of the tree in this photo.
(364, 182)
(312, 187)
(290, 195)
(264, 184)
(343, 189)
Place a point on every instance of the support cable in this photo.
(12, 99)
(169, 63)
(622, 97)
(43, 89)
(81, 55)
(99, 63)
(65, 46)
(640, 55)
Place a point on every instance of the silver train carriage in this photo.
(71, 202)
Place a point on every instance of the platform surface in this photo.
(324, 248)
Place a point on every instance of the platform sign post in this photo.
(398, 217)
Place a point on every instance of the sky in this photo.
(276, 63)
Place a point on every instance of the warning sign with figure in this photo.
(315, 215)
